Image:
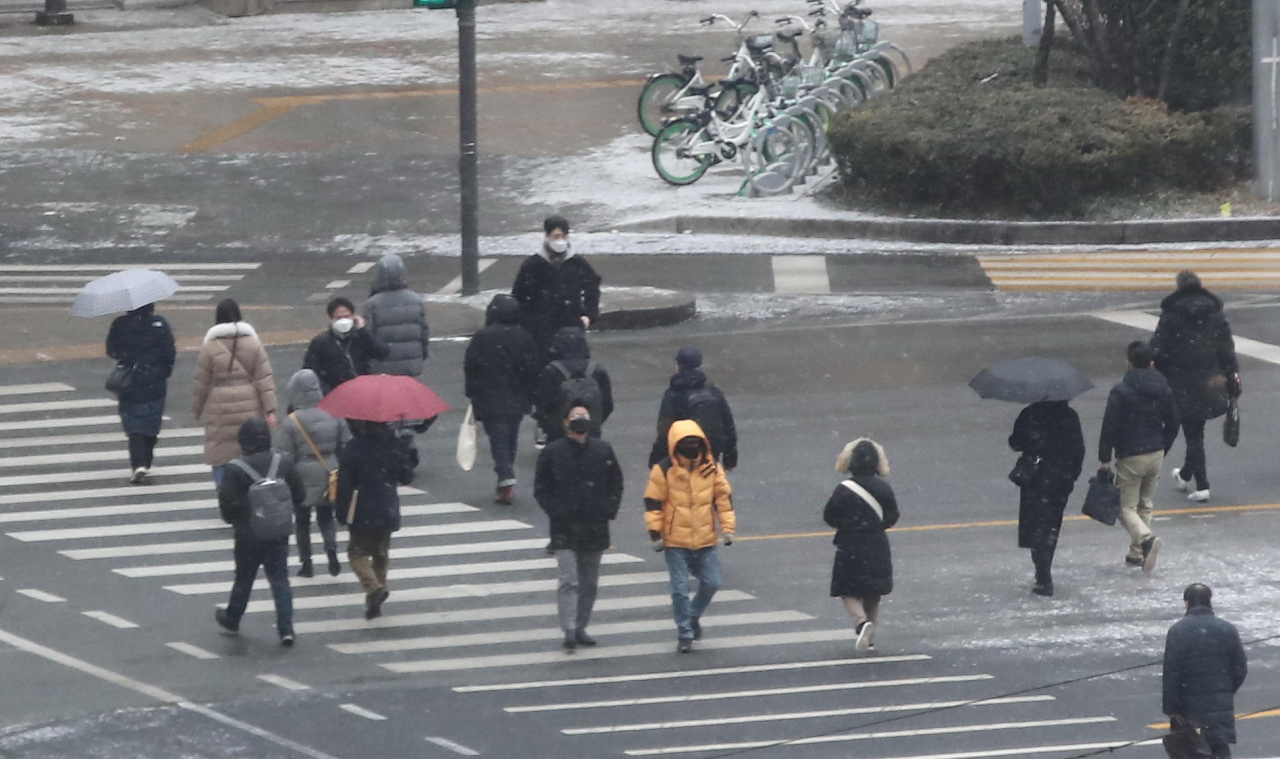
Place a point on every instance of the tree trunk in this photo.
(1170, 53)
(1073, 23)
(1046, 45)
(1107, 70)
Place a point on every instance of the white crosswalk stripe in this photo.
(472, 591)
(59, 283)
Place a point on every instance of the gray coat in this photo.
(397, 316)
(328, 434)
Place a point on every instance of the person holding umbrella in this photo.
(372, 466)
(142, 344)
(1050, 440)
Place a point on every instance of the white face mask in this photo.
(558, 246)
(343, 326)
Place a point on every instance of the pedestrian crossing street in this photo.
(57, 284)
(1133, 270)
(473, 601)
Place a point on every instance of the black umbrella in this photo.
(1028, 380)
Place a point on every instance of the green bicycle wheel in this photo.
(654, 106)
(671, 158)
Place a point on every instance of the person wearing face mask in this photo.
(556, 288)
(688, 509)
(343, 351)
(579, 485)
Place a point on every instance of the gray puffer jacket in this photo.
(328, 434)
(397, 316)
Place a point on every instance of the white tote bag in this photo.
(467, 441)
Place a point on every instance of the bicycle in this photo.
(671, 94)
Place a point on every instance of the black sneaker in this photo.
(1043, 589)
(684, 645)
(695, 623)
(334, 565)
(306, 570)
(1150, 548)
(286, 640)
(581, 637)
(1133, 561)
(570, 642)
(373, 604)
(220, 616)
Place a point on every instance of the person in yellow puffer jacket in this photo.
(688, 509)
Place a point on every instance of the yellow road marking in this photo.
(1012, 522)
(275, 107)
(1256, 715)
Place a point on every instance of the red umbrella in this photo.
(383, 398)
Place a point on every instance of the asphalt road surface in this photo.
(109, 647)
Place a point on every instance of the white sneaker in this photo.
(1199, 496)
(139, 476)
(864, 637)
(1179, 483)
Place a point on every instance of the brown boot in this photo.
(505, 496)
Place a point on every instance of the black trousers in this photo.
(1194, 465)
(302, 525)
(141, 450)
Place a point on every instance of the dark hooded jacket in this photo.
(570, 350)
(326, 433)
(1140, 418)
(689, 392)
(1049, 431)
(554, 295)
(374, 464)
(863, 563)
(1196, 353)
(255, 447)
(397, 316)
(336, 359)
(1204, 666)
(579, 486)
(143, 339)
(502, 363)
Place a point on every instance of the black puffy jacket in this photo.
(571, 350)
(686, 385)
(502, 363)
(1140, 418)
(143, 338)
(336, 360)
(579, 486)
(552, 296)
(1196, 353)
(374, 467)
(1204, 666)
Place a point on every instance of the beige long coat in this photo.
(228, 392)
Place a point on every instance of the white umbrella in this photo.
(123, 291)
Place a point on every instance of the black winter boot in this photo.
(334, 565)
(1043, 560)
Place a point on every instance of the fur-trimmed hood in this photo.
(229, 329)
(846, 460)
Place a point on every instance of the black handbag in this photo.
(1103, 499)
(1231, 426)
(121, 378)
(1186, 740)
(1025, 471)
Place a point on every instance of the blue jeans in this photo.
(218, 472)
(503, 433)
(702, 564)
(273, 557)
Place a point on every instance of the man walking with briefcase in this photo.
(1204, 666)
(1139, 427)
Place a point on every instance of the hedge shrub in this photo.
(970, 134)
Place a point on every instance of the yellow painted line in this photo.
(94, 350)
(275, 107)
(1012, 522)
(235, 129)
(1124, 287)
(1158, 266)
(1255, 715)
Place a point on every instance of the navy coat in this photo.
(143, 338)
(1204, 666)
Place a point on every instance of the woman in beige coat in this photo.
(233, 384)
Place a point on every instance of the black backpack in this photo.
(581, 390)
(703, 406)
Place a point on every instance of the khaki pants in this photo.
(368, 553)
(1136, 476)
(861, 610)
